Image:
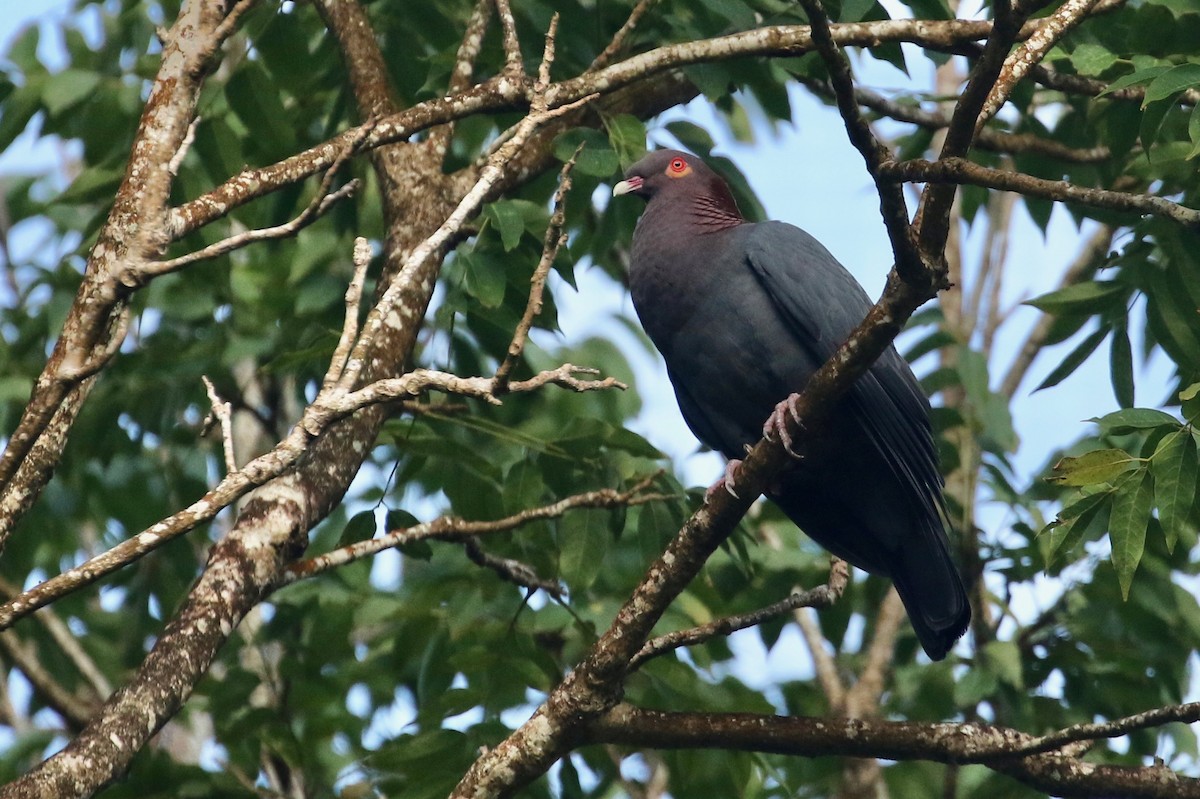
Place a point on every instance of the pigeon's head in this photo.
(671, 174)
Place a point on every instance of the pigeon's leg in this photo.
(777, 423)
(725, 482)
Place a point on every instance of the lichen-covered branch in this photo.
(893, 740)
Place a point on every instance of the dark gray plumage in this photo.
(743, 315)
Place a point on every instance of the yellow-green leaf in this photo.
(1099, 466)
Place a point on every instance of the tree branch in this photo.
(554, 239)
(891, 740)
(450, 528)
(820, 597)
(960, 170)
(1031, 52)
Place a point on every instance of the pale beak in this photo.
(630, 186)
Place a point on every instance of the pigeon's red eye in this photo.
(678, 168)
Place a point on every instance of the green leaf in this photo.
(1004, 659)
(1073, 361)
(583, 539)
(1098, 466)
(1121, 367)
(485, 278)
(509, 220)
(1064, 534)
(1127, 525)
(1092, 59)
(401, 520)
(1171, 82)
(1130, 420)
(1174, 466)
(1134, 79)
(1090, 297)
(1194, 132)
(360, 527)
(68, 88)
(597, 158)
(627, 134)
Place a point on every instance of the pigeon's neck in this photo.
(714, 214)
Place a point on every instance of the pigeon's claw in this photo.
(777, 423)
(726, 482)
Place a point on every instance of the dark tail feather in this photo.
(933, 594)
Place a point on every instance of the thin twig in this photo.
(514, 65)
(315, 209)
(820, 597)
(1185, 714)
(554, 239)
(989, 138)
(618, 39)
(184, 146)
(1000, 209)
(450, 528)
(67, 643)
(464, 69)
(225, 29)
(892, 206)
(354, 292)
(960, 170)
(933, 214)
(513, 571)
(78, 712)
(222, 413)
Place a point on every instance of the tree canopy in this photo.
(301, 495)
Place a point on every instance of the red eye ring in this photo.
(678, 165)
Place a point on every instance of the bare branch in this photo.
(820, 597)
(450, 528)
(337, 363)
(222, 413)
(960, 170)
(1031, 52)
(513, 571)
(910, 263)
(891, 740)
(514, 65)
(67, 643)
(76, 711)
(618, 39)
(322, 202)
(1185, 714)
(988, 139)
(933, 213)
(184, 146)
(464, 68)
(554, 239)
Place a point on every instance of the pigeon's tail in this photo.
(933, 593)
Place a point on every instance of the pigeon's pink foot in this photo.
(726, 482)
(777, 424)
